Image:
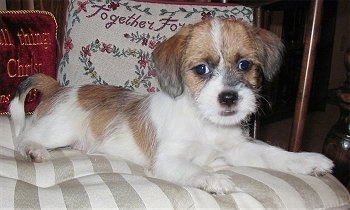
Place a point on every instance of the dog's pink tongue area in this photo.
(227, 112)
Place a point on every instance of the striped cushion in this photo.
(75, 180)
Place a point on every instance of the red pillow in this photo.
(27, 46)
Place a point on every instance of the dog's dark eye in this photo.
(244, 65)
(202, 69)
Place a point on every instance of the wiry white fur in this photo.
(210, 107)
(120, 142)
(58, 129)
(216, 36)
(68, 125)
(17, 114)
(188, 144)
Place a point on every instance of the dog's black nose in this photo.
(228, 98)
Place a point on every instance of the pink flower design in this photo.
(113, 6)
(151, 89)
(143, 61)
(152, 44)
(82, 6)
(86, 51)
(68, 44)
(106, 48)
(206, 15)
(151, 73)
(144, 42)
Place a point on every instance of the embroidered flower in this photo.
(131, 52)
(113, 6)
(82, 6)
(152, 44)
(143, 61)
(151, 72)
(151, 89)
(93, 75)
(86, 51)
(136, 83)
(206, 15)
(106, 48)
(126, 35)
(144, 42)
(68, 44)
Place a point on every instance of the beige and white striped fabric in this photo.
(74, 180)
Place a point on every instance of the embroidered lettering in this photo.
(5, 38)
(33, 39)
(16, 68)
(168, 22)
(102, 7)
(150, 25)
(5, 99)
(133, 20)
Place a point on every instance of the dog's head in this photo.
(220, 64)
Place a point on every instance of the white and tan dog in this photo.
(209, 74)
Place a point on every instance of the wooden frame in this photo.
(306, 73)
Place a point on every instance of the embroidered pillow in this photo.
(110, 42)
(27, 46)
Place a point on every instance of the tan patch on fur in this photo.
(106, 102)
(49, 101)
(194, 45)
(44, 84)
(167, 57)
(103, 103)
(253, 77)
(143, 129)
(236, 41)
(49, 89)
(200, 49)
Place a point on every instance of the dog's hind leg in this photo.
(33, 151)
(40, 136)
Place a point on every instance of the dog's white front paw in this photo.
(309, 163)
(33, 151)
(214, 183)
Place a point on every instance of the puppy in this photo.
(209, 74)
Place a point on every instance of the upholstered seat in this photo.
(76, 180)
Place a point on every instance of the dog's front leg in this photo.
(183, 171)
(259, 154)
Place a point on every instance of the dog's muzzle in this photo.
(227, 100)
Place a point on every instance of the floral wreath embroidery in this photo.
(68, 42)
(145, 70)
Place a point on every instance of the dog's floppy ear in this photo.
(270, 49)
(167, 57)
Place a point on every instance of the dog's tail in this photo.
(43, 83)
